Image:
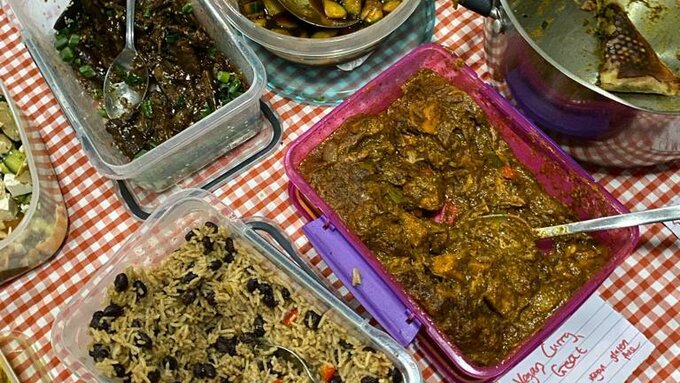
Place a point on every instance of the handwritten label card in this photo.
(674, 225)
(596, 344)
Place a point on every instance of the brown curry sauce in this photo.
(412, 182)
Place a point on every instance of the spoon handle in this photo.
(130, 24)
(663, 214)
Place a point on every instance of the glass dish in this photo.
(560, 175)
(181, 155)
(43, 228)
(329, 85)
(318, 51)
(162, 233)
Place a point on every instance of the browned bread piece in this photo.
(630, 63)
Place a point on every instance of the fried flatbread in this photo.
(630, 63)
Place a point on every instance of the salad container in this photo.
(162, 233)
(41, 231)
(382, 296)
(179, 156)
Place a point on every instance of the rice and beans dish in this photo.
(202, 315)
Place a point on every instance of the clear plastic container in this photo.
(20, 360)
(43, 228)
(176, 158)
(164, 232)
(559, 174)
(318, 51)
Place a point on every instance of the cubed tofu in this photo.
(16, 187)
(8, 209)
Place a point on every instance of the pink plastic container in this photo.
(560, 175)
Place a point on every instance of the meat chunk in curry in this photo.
(414, 182)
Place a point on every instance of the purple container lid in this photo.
(558, 173)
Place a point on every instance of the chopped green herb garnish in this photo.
(223, 77)
(87, 71)
(171, 37)
(235, 86)
(120, 71)
(147, 108)
(205, 111)
(187, 8)
(133, 79)
(102, 112)
(67, 54)
(61, 42)
(140, 153)
(212, 52)
(73, 40)
(181, 102)
(147, 12)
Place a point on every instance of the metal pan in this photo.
(545, 53)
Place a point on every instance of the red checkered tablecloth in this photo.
(645, 289)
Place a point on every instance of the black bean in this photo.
(228, 258)
(395, 376)
(169, 362)
(189, 296)
(190, 235)
(136, 323)
(210, 371)
(188, 277)
(211, 226)
(199, 370)
(229, 246)
(312, 320)
(121, 282)
(265, 288)
(285, 293)
(346, 345)
(98, 320)
(142, 340)
(270, 301)
(335, 379)
(140, 289)
(210, 298)
(118, 370)
(154, 376)
(226, 345)
(369, 379)
(208, 245)
(258, 325)
(248, 338)
(264, 366)
(99, 352)
(215, 265)
(113, 311)
(252, 285)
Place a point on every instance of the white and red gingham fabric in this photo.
(645, 289)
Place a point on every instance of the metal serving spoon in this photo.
(605, 223)
(312, 12)
(127, 79)
(290, 356)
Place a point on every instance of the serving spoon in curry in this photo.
(643, 217)
(127, 78)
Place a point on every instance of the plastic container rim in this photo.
(333, 46)
(553, 321)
